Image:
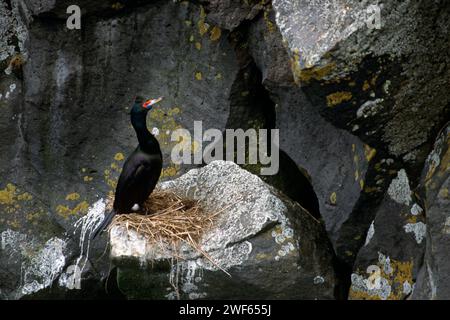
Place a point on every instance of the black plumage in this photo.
(141, 170)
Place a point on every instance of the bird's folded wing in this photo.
(129, 177)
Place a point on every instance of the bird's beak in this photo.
(149, 103)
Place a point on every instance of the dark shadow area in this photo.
(252, 108)
(91, 289)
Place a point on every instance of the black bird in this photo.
(141, 170)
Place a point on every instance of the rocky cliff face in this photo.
(359, 102)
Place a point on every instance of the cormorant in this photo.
(141, 170)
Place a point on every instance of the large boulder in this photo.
(270, 246)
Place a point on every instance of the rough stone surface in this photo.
(340, 166)
(65, 110)
(269, 245)
(344, 64)
(433, 282)
(39, 270)
(13, 31)
(383, 269)
(355, 105)
(229, 14)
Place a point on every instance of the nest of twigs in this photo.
(167, 221)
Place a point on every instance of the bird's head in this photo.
(143, 106)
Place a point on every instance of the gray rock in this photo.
(387, 265)
(39, 266)
(268, 244)
(340, 166)
(433, 282)
(345, 61)
(13, 31)
(229, 14)
(66, 122)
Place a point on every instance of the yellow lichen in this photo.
(72, 196)
(202, 25)
(173, 111)
(270, 25)
(7, 195)
(401, 272)
(305, 75)
(362, 295)
(112, 183)
(215, 34)
(333, 198)
(10, 195)
(170, 171)
(34, 216)
(338, 98)
(366, 86)
(369, 152)
(87, 178)
(119, 156)
(165, 120)
(198, 75)
(24, 196)
(115, 167)
(371, 189)
(66, 211)
(198, 45)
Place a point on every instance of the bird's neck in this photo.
(147, 141)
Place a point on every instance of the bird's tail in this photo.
(105, 223)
